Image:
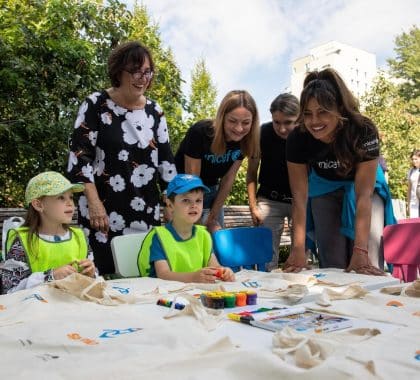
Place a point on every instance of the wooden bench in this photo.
(235, 216)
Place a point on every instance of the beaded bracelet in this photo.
(360, 249)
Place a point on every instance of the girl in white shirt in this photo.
(413, 178)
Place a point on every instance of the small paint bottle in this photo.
(241, 299)
(230, 300)
(218, 302)
(251, 298)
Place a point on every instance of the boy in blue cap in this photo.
(181, 250)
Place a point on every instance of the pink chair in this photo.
(402, 249)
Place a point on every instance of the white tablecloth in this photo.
(46, 333)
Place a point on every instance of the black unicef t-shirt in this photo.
(273, 168)
(197, 143)
(302, 148)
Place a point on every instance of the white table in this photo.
(67, 338)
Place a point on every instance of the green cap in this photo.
(49, 183)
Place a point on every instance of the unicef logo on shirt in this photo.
(229, 156)
(236, 154)
(329, 164)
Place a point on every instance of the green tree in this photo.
(394, 107)
(202, 104)
(54, 53)
(239, 195)
(406, 65)
(52, 56)
(399, 130)
(166, 88)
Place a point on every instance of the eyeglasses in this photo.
(138, 75)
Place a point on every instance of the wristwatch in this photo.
(48, 275)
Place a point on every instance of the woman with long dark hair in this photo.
(333, 168)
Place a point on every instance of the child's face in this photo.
(57, 208)
(187, 207)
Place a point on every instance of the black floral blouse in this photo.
(126, 153)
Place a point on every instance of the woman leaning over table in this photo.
(120, 150)
(214, 150)
(272, 203)
(333, 168)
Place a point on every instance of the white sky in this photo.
(250, 44)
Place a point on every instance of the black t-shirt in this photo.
(197, 143)
(273, 168)
(302, 148)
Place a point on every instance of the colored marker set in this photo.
(295, 317)
(166, 303)
(269, 313)
(221, 300)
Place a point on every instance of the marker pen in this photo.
(166, 303)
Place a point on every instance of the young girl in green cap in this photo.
(45, 248)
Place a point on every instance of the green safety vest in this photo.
(182, 256)
(44, 255)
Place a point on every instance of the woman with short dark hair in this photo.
(120, 150)
(272, 203)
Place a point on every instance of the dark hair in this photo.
(285, 103)
(251, 142)
(127, 56)
(415, 152)
(332, 94)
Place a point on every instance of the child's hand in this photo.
(227, 274)
(63, 272)
(206, 275)
(86, 267)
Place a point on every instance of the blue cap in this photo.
(182, 183)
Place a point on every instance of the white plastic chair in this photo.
(125, 249)
(8, 224)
